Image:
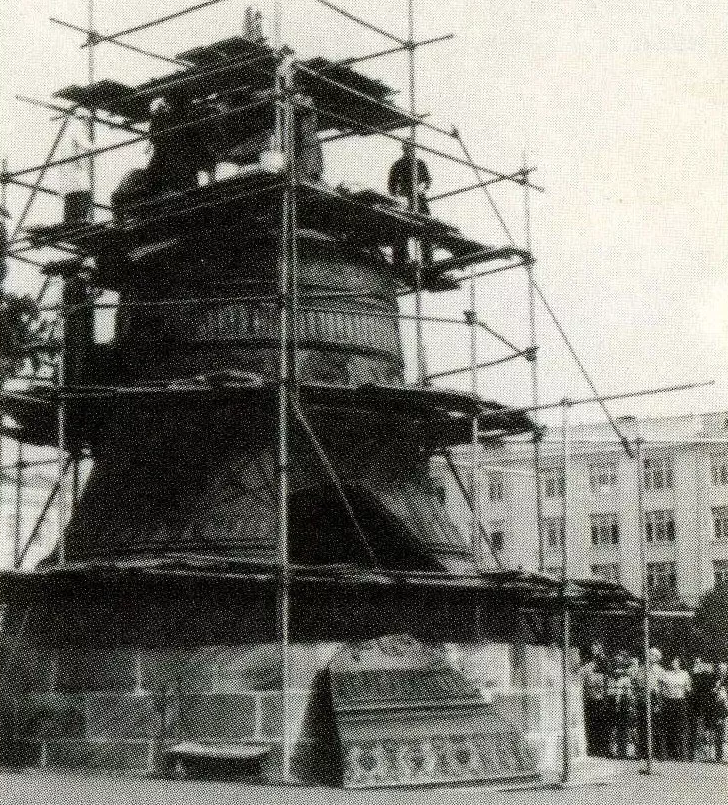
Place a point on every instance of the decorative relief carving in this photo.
(437, 758)
(407, 716)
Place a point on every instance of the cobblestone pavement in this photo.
(673, 784)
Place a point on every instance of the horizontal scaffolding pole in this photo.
(410, 118)
(71, 112)
(91, 152)
(525, 353)
(365, 23)
(18, 465)
(432, 319)
(387, 52)
(124, 45)
(488, 272)
(677, 614)
(641, 439)
(178, 388)
(48, 191)
(202, 301)
(357, 125)
(158, 21)
(75, 235)
(28, 260)
(485, 183)
(598, 400)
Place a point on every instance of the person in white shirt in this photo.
(720, 711)
(655, 691)
(675, 687)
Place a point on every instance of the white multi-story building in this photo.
(685, 503)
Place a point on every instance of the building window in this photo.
(602, 476)
(604, 530)
(660, 526)
(495, 486)
(662, 578)
(719, 469)
(720, 524)
(658, 473)
(608, 572)
(553, 483)
(553, 532)
(496, 534)
(720, 571)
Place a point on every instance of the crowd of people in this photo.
(689, 708)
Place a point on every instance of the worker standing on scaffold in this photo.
(401, 175)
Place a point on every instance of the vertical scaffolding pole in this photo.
(283, 81)
(566, 615)
(646, 606)
(18, 520)
(62, 357)
(474, 443)
(414, 192)
(61, 445)
(534, 367)
(91, 75)
(19, 465)
(91, 21)
(277, 24)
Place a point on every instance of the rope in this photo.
(476, 171)
(335, 480)
(622, 438)
(469, 501)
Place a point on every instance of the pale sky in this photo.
(623, 107)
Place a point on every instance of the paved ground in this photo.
(673, 784)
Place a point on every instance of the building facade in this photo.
(684, 469)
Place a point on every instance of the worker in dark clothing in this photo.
(719, 712)
(401, 175)
(177, 156)
(308, 155)
(594, 675)
(177, 151)
(700, 709)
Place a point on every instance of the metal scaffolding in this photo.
(286, 298)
